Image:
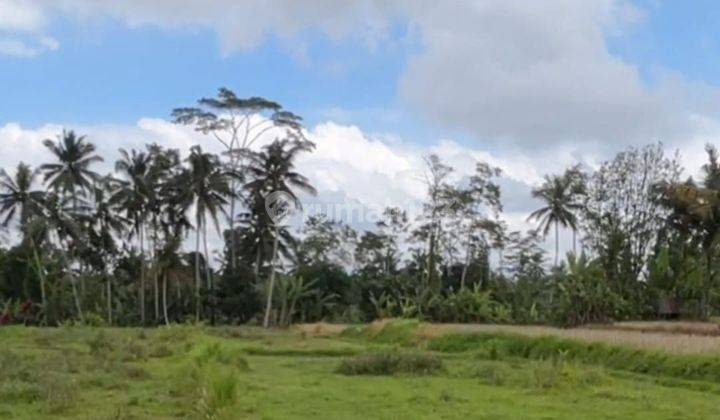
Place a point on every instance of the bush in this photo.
(218, 391)
(391, 363)
(216, 352)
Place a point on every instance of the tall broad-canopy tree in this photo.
(696, 216)
(238, 124)
(623, 214)
(431, 232)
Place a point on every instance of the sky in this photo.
(531, 87)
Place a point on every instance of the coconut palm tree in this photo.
(203, 186)
(71, 174)
(559, 208)
(105, 224)
(131, 197)
(70, 177)
(19, 200)
(272, 171)
(578, 188)
(17, 196)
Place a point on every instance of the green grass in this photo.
(503, 346)
(229, 373)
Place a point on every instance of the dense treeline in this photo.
(85, 247)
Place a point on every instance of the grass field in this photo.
(387, 370)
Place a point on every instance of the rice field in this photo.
(385, 370)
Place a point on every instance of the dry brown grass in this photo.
(671, 327)
(672, 337)
(320, 329)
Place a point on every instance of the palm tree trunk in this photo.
(466, 264)
(197, 271)
(283, 312)
(209, 279)
(142, 274)
(164, 299)
(231, 220)
(557, 243)
(501, 261)
(258, 260)
(271, 286)
(41, 274)
(76, 297)
(109, 300)
(155, 274)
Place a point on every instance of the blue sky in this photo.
(106, 71)
(110, 73)
(531, 87)
(676, 35)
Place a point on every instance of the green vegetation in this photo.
(502, 346)
(391, 363)
(229, 373)
(131, 246)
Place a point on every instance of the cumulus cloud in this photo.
(348, 166)
(532, 73)
(22, 25)
(21, 15)
(508, 72)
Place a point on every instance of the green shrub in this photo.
(391, 363)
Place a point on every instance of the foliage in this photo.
(391, 363)
(92, 249)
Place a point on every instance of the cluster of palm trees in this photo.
(147, 206)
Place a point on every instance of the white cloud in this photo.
(347, 164)
(22, 23)
(508, 72)
(533, 73)
(20, 48)
(21, 15)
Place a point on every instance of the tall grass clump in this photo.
(502, 345)
(391, 363)
(216, 352)
(218, 392)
